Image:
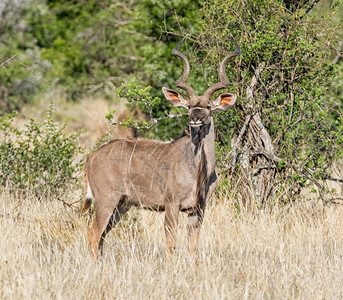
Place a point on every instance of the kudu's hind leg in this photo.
(194, 223)
(105, 220)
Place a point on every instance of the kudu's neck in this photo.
(202, 143)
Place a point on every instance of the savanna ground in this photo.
(293, 252)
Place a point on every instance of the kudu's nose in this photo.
(195, 121)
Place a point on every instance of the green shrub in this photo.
(39, 158)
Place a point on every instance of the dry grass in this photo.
(88, 114)
(294, 253)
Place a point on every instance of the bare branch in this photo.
(8, 60)
(268, 155)
(255, 78)
(258, 168)
(326, 177)
(33, 71)
(153, 121)
(249, 95)
(234, 147)
(339, 53)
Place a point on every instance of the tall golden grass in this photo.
(291, 253)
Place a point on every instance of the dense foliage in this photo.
(84, 47)
(39, 158)
(291, 111)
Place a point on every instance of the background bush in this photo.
(39, 158)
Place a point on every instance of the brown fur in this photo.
(126, 115)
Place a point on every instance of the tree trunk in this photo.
(254, 152)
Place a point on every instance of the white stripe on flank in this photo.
(131, 186)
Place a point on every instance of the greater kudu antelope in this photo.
(163, 176)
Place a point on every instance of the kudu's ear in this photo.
(174, 97)
(224, 101)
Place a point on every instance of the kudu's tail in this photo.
(88, 195)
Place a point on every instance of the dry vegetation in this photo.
(88, 114)
(295, 252)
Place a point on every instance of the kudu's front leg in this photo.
(170, 226)
(194, 222)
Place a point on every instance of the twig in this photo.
(33, 72)
(332, 200)
(339, 54)
(25, 66)
(326, 177)
(234, 147)
(52, 183)
(66, 203)
(255, 78)
(8, 60)
(153, 120)
(270, 156)
(292, 106)
(259, 168)
(14, 189)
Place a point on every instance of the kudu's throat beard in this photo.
(198, 134)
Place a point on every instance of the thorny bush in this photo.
(38, 158)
